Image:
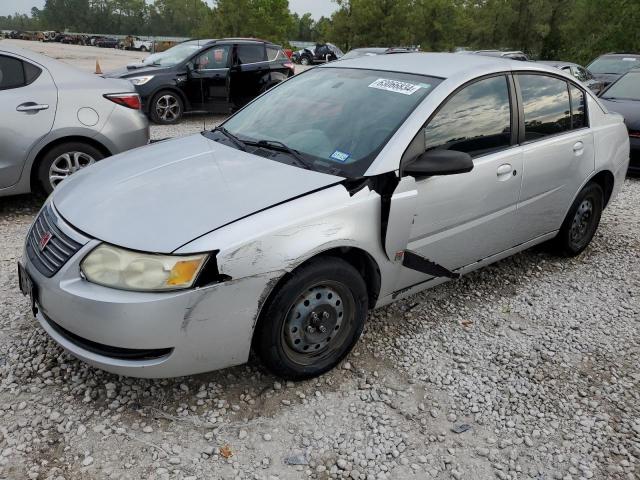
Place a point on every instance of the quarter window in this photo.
(11, 73)
(578, 114)
(546, 106)
(250, 53)
(476, 120)
(274, 53)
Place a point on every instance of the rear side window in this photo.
(547, 110)
(578, 111)
(250, 53)
(476, 120)
(11, 73)
(31, 72)
(274, 53)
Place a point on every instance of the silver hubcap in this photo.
(314, 320)
(66, 164)
(168, 108)
(581, 221)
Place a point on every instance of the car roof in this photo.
(620, 54)
(207, 41)
(442, 65)
(558, 63)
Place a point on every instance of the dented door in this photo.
(401, 210)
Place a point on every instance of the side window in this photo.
(273, 53)
(578, 113)
(251, 53)
(11, 73)
(213, 58)
(476, 120)
(31, 72)
(546, 106)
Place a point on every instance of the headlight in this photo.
(128, 270)
(140, 80)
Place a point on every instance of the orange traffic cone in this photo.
(98, 69)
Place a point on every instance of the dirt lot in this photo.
(527, 369)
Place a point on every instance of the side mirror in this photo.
(439, 162)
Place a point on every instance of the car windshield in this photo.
(614, 65)
(337, 119)
(364, 52)
(628, 87)
(173, 56)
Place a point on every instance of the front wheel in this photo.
(305, 61)
(581, 222)
(313, 320)
(166, 108)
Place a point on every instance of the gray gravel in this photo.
(526, 369)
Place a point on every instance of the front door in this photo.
(460, 219)
(558, 152)
(208, 83)
(28, 100)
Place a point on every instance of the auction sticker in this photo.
(396, 86)
(340, 156)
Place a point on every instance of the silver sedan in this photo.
(55, 120)
(341, 190)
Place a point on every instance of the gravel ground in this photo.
(529, 368)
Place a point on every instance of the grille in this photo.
(48, 256)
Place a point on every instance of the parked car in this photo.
(511, 54)
(279, 230)
(611, 66)
(369, 51)
(207, 76)
(321, 53)
(579, 72)
(107, 42)
(135, 43)
(623, 97)
(57, 120)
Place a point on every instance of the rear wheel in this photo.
(305, 60)
(313, 320)
(63, 161)
(166, 108)
(581, 222)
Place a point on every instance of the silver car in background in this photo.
(340, 190)
(55, 120)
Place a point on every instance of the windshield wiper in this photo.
(238, 143)
(282, 147)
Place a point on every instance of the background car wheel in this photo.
(313, 320)
(304, 61)
(64, 160)
(166, 108)
(143, 49)
(581, 222)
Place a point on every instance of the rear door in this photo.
(460, 219)
(249, 67)
(28, 100)
(558, 151)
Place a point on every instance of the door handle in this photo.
(31, 107)
(578, 148)
(504, 169)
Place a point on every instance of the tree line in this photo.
(576, 30)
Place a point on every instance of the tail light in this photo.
(129, 100)
(289, 65)
(634, 133)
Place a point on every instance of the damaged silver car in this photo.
(341, 190)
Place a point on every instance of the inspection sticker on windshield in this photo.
(395, 86)
(340, 156)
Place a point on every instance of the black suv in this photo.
(216, 76)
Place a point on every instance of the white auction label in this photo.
(395, 86)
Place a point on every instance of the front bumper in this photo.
(147, 334)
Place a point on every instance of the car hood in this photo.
(629, 109)
(160, 197)
(606, 78)
(136, 70)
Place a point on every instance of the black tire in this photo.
(581, 222)
(87, 155)
(338, 313)
(157, 107)
(304, 60)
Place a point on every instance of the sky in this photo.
(317, 8)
